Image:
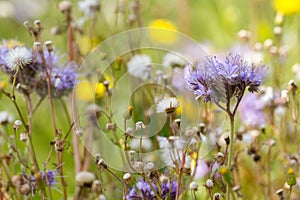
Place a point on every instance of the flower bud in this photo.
(65, 6)
(25, 189)
(23, 137)
(268, 43)
(164, 179)
(217, 196)
(209, 183)
(17, 124)
(101, 197)
(84, 178)
(194, 185)
(49, 45)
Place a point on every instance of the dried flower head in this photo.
(167, 105)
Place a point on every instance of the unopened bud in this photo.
(217, 196)
(49, 46)
(84, 178)
(278, 19)
(149, 166)
(38, 24)
(111, 126)
(277, 30)
(25, 189)
(65, 6)
(268, 43)
(194, 185)
(209, 183)
(23, 137)
(164, 179)
(38, 46)
(244, 35)
(17, 124)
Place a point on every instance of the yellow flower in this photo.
(86, 44)
(163, 36)
(287, 7)
(87, 91)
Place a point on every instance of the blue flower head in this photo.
(218, 81)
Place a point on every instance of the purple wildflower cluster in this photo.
(218, 81)
(32, 77)
(143, 191)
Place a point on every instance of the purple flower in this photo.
(216, 80)
(49, 177)
(251, 111)
(169, 190)
(144, 192)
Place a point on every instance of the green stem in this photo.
(231, 116)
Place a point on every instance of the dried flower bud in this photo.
(65, 6)
(111, 126)
(128, 114)
(96, 186)
(279, 192)
(26, 24)
(139, 125)
(273, 50)
(278, 19)
(149, 166)
(16, 180)
(178, 122)
(194, 185)
(164, 179)
(268, 43)
(129, 131)
(37, 46)
(97, 157)
(285, 95)
(25, 189)
(126, 176)
(49, 46)
(236, 188)
(209, 183)
(17, 124)
(101, 197)
(227, 140)
(277, 30)
(106, 84)
(102, 163)
(258, 46)
(217, 196)
(138, 165)
(84, 178)
(244, 35)
(38, 24)
(23, 137)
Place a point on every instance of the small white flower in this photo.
(173, 60)
(140, 66)
(18, 57)
(167, 105)
(89, 7)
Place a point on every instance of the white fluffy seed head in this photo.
(84, 177)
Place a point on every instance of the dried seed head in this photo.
(217, 196)
(244, 35)
(279, 192)
(96, 186)
(277, 30)
(101, 197)
(236, 188)
(17, 124)
(126, 176)
(23, 137)
(111, 126)
(37, 46)
(194, 185)
(84, 178)
(25, 189)
(65, 6)
(268, 43)
(139, 125)
(150, 166)
(16, 180)
(38, 24)
(164, 179)
(138, 165)
(49, 45)
(209, 183)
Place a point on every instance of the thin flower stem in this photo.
(58, 154)
(152, 188)
(231, 116)
(180, 175)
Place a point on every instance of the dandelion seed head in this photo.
(18, 57)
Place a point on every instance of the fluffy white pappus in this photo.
(139, 66)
